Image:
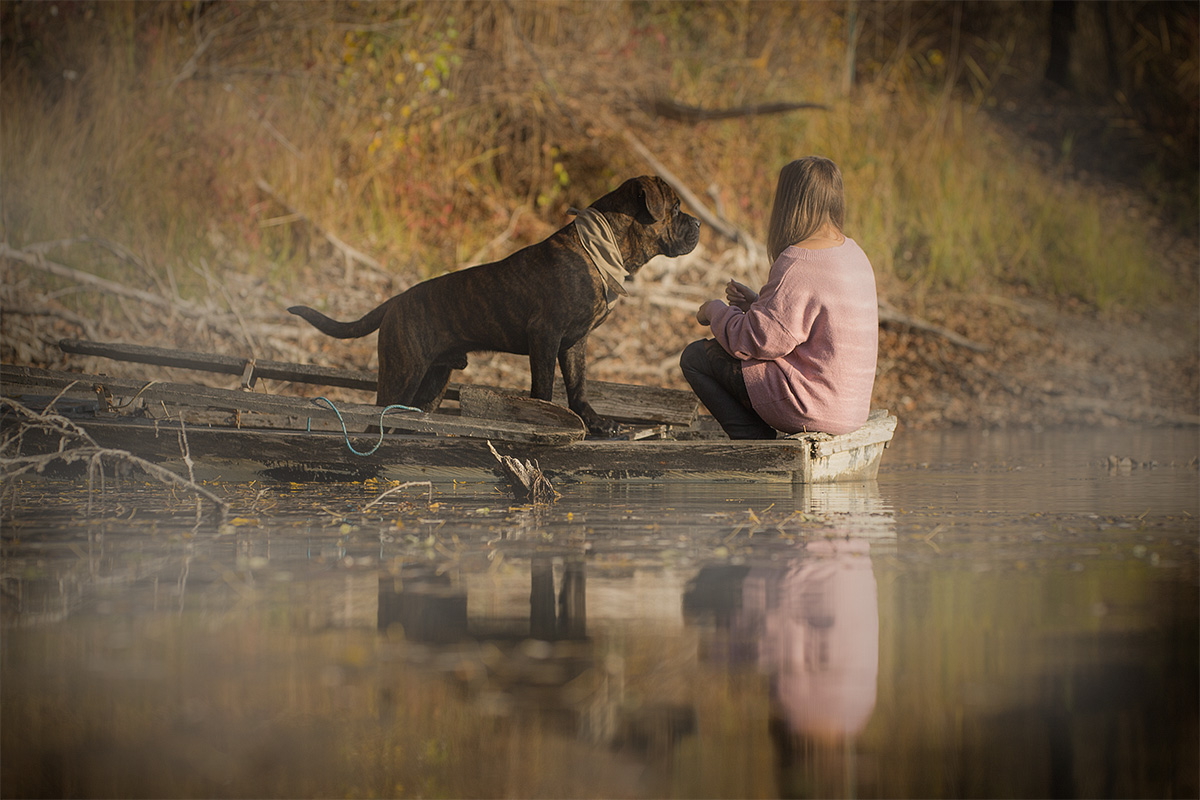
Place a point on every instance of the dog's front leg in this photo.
(573, 361)
(542, 351)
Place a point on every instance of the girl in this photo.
(800, 354)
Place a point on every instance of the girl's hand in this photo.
(702, 315)
(740, 295)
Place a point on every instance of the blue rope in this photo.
(346, 434)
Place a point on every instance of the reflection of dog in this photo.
(541, 301)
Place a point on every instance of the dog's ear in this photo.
(656, 195)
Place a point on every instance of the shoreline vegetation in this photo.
(180, 173)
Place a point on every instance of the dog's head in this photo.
(647, 221)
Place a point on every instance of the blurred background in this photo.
(1023, 176)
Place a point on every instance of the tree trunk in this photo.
(1062, 25)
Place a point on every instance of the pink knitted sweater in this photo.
(809, 342)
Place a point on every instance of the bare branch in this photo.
(91, 452)
(395, 489)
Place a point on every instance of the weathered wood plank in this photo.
(355, 416)
(668, 459)
(230, 454)
(294, 454)
(476, 401)
(222, 364)
(632, 403)
(625, 402)
(879, 428)
(873, 432)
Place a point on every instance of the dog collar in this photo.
(596, 236)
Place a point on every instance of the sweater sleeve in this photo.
(754, 334)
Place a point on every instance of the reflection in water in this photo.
(539, 662)
(806, 616)
(820, 638)
(943, 632)
(811, 623)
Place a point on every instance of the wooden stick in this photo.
(92, 452)
(525, 478)
(889, 314)
(679, 112)
(427, 484)
(721, 226)
(223, 364)
(38, 261)
(350, 253)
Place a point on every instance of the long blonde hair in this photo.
(808, 197)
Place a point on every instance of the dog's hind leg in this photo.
(403, 362)
(433, 387)
(400, 377)
(394, 391)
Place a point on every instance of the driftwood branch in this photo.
(427, 484)
(206, 314)
(525, 478)
(673, 110)
(890, 315)
(37, 260)
(351, 254)
(722, 226)
(495, 243)
(116, 248)
(87, 450)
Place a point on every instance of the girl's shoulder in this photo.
(847, 251)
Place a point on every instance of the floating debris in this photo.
(75, 444)
(525, 478)
(1116, 463)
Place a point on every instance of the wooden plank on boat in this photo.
(225, 365)
(632, 403)
(625, 402)
(354, 415)
(879, 427)
(300, 456)
(476, 401)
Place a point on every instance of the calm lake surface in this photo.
(998, 615)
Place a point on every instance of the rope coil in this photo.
(346, 433)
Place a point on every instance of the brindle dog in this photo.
(541, 301)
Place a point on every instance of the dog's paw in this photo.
(603, 427)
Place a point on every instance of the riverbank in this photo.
(993, 358)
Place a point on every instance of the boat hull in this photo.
(229, 454)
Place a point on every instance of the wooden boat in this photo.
(240, 434)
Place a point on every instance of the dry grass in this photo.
(415, 131)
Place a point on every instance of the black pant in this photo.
(716, 378)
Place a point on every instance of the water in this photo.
(997, 615)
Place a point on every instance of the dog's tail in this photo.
(341, 330)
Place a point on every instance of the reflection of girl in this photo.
(820, 640)
(800, 355)
(811, 623)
